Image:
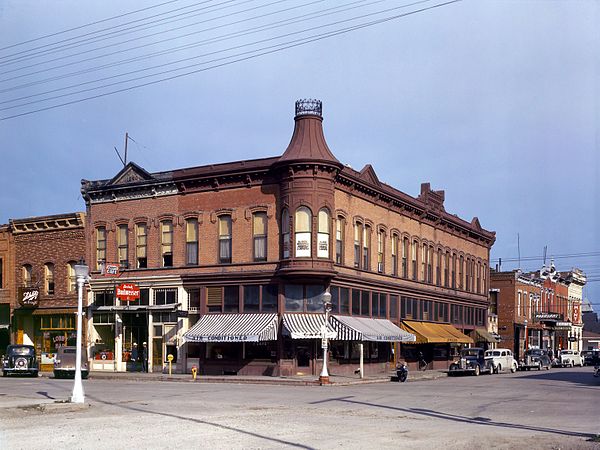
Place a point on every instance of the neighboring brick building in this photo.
(7, 285)
(536, 309)
(233, 261)
(46, 249)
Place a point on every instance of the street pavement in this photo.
(549, 409)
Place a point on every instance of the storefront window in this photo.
(294, 297)
(251, 298)
(269, 298)
(231, 299)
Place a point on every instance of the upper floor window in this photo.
(424, 254)
(380, 248)
(1, 273)
(357, 245)
(405, 257)
(225, 239)
(122, 245)
(71, 278)
(166, 243)
(49, 278)
(454, 271)
(27, 274)
(191, 242)
(165, 296)
(285, 233)
(430, 265)
(395, 255)
(339, 240)
(223, 299)
(323, 234)
(484, 276)
(100, 246)
(302, 232)
(461, 266)
(414, 260)
(141, 234)
(479, 278)
(259, 236)
(366, 247)
(447, 269)
(438, 268)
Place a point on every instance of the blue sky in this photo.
(495, 102)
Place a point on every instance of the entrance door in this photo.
(135, 333)
(157, 354)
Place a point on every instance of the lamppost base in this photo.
(323, 380)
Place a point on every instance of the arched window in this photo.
(366, 247)
(357, 239)
(339, 240)
(323, 234)
(27, 271)
(71, 279)
(166, 241)
(49, 278)
(380, 250)
(405, 257)
(395, 255)
(100, 246)
(285, 233)
(259, 235)
(122, 245)
(302, 232)
(224, 239)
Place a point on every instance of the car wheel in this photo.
(540, 365)
(477, 371)
(513, 369)
(499, 368)
(4, 373)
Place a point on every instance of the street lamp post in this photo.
(525, 340)
(324, 377)
(81, 275)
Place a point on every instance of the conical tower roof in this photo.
(308, 142)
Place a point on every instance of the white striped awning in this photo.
(233, 328)
(306, 326)
(367, 329)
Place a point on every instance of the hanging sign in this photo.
(29, 296)
(128, 292)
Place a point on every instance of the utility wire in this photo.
(86, 35)
(319, 27)
(538, 258)
(86, 25)
(166, 51)
(243, 57)
(253, 30)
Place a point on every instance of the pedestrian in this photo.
(144, 358)
(134, 356)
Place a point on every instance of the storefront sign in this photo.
(29, 296)
(322, 245)
(572, 339)
(227, 338)
(303, 245)
(547, 316)
(576, 313)
(110, 269)
(563, 325)
(128, 292)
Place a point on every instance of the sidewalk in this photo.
(301, 380)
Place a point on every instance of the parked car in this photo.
(570, 358)
(64, 364)
(20, 359)
(472, 360)
(535, 358)
(591, 357)
(501, 359)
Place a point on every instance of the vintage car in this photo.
(472, 360)
(570, 358)
(64, 364)
(591, 357)
(501, 359)
(535, 358)
(20, 359)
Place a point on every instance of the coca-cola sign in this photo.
(29, 297)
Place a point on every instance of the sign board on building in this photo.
(547, 316)
(303, 245)
(110, 269)
(29, 297)
(572, 339)
(322, 245)
(128, 292)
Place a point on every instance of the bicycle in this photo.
(423, 365)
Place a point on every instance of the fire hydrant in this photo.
(194, 372)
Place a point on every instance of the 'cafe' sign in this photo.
(29, 297)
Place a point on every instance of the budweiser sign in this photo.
(128, 292)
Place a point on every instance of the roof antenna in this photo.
(124, 161)
(545, 250)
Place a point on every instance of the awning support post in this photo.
(361, 369)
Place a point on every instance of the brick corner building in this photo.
(232, 261)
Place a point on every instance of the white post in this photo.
(324, 377)
(81, 272)
(362, 367)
